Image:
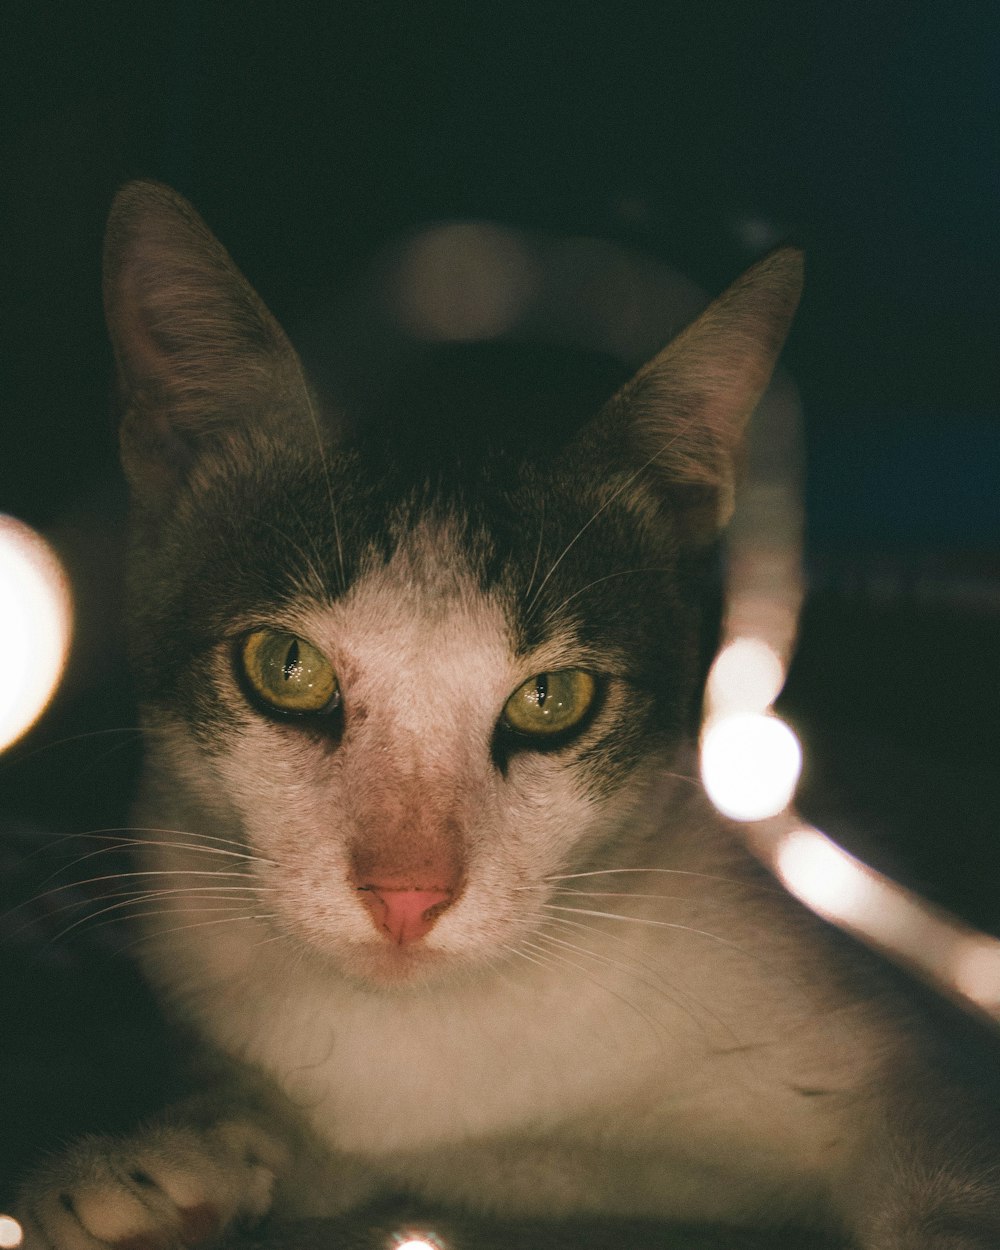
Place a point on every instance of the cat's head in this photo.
(415, 672)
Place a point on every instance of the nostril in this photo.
(404, 915)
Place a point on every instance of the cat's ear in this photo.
(685, 412)
(199, 356)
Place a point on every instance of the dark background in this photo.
(701, 133)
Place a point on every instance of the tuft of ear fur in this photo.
(198, 353)
(685, 412)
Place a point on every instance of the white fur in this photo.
(427, 1062)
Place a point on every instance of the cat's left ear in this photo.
(685, 413)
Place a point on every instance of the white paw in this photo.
(164, 1188)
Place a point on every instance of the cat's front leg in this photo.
(930, 1180)
(172, 1185)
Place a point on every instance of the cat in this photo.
(433, 888)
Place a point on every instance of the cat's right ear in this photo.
(199, 356)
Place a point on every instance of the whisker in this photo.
(538, 551)
(198, 924)
(274, 937)
(669, 898)
(122, 832)
(133, 895)
(642, 920)
(311, 566)
(607, 504)
(122, 843)
(764, 886)
(74, 903)
(118, 842)
(497, 969)
(88, 767)
(213, 873)
(322, 447)
(572, 963)
(180, 833)
(658, 984)
(122, 876)
(515, 950)
(15, 759)
(137, 899)
(554, 612)
(674, 993)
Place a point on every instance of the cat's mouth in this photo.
(386, 964)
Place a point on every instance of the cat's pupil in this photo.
(291, 661)
(541, 688)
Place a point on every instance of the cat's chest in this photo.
(421, 1075)
(380, 1076)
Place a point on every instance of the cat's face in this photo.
(413, 686)
(459, 692)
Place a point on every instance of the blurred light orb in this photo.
(758, 233)
(407, 1241)
(976, 972)
(11, 1233)
(747, 676)
(750, 765)
(35, 627)
(827, 878)
(462, 282)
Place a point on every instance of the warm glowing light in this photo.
(750, 765)
(407, 1241)
(11, 1234)
(886, 915)
(463, 281)
(747, 676)
(35, 623)
(826, 878)
(976, 972)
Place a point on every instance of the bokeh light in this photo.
(915, 933)
(747, 676)
(465, 280)
(751, 760)
(976, 972)
(416, 1241)
(750, 764)
(827, 878)
(11, 1233)
(35, 626)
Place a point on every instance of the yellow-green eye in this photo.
(550, 703)
(288, 673)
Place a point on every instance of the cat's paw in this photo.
(163, 1189)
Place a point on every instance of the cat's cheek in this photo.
(550, 812)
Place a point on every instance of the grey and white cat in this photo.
(432, 883)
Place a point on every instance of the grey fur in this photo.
(698, 1049)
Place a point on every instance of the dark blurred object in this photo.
(386, 1228)
(702, 133)
(82, 1046)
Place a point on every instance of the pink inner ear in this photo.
(139, 357)
(404, 915)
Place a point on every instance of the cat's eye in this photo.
(549, 704)
(288, 673)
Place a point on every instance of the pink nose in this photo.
(404, 915)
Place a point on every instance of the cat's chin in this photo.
(386, 966)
